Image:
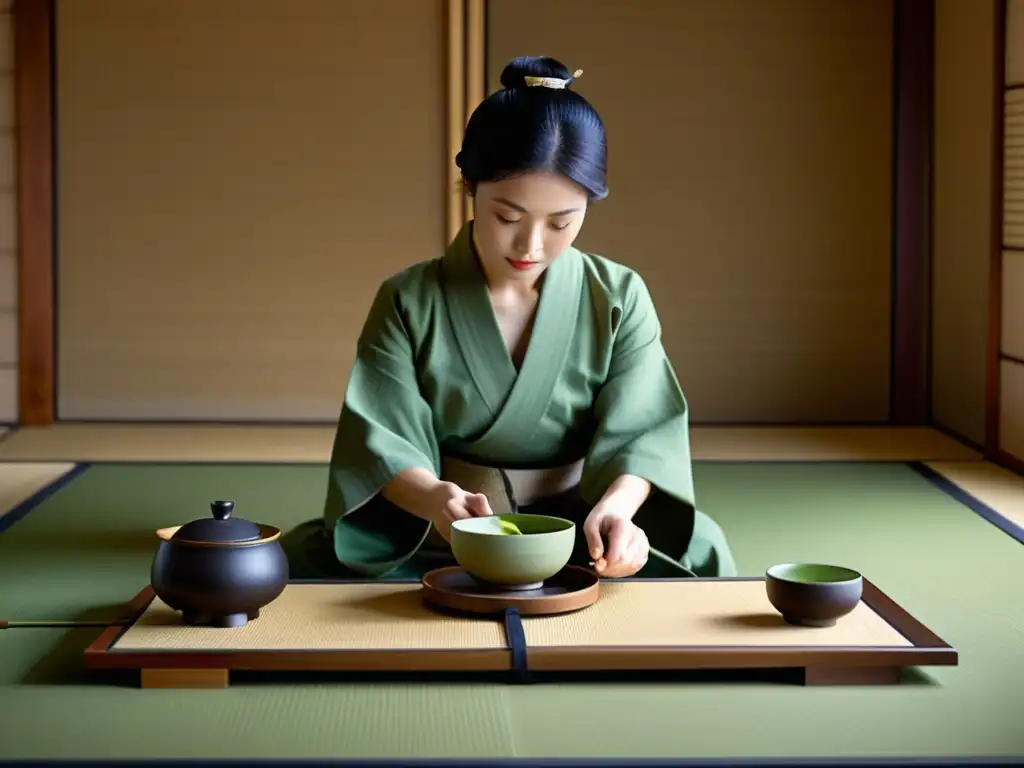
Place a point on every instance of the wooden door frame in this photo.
(34, 163)
(913, 121)
(993, 442)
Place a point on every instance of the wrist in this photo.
(624, 496)
(419, 492)
(441, 492)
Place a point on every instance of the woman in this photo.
(516, 372)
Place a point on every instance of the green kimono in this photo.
(433, 378)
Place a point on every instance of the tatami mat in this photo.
(994, 486)
(826, 444)
(19, 481)
(37, 456)
(312, 444)
(172, 442)
(393, 617)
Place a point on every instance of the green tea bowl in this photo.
(495, 557)
(812, 594)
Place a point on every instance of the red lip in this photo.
(522, 266)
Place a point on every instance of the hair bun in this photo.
(516, 71)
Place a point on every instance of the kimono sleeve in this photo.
(385, 426)
(641, 413)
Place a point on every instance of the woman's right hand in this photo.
(451, 503)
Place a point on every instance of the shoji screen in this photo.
(962, 213)
(1011, 406)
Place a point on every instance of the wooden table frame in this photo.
(838, 665)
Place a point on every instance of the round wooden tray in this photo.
(569, 590)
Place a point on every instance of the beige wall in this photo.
(235, 179)
(750, 176)
(8, 227)
(249, 187)
(1011, 406)
(962, 213)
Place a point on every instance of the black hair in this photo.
(524, 128)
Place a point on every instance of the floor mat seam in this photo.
(959, 493)
(21, 510)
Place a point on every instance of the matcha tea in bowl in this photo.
(813, 594)
(516, 551)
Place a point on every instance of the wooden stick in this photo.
(455, 54)
(46, 624)
(474, 66)
(658, 555)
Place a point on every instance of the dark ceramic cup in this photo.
(811, 594)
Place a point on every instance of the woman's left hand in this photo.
(617, 545)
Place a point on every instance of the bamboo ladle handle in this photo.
(47, 624)
(657, 555)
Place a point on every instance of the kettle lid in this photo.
(221, 528)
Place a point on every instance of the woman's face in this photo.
(521, 225)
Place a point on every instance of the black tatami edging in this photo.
(21, 510)
(978, 507)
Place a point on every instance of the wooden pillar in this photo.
(33, 66)
(914, 75)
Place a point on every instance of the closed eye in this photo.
(556, 227)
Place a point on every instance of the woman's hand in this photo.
(419, 492)
(450, 503)
(627, 546)
(617, 545)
